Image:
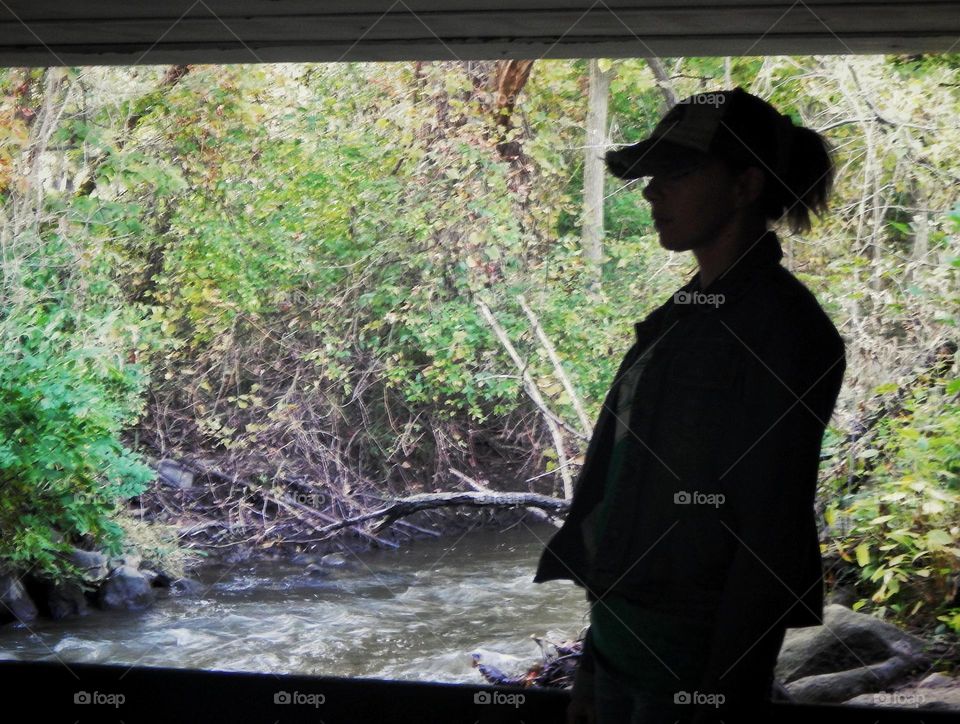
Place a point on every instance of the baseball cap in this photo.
(731, 124)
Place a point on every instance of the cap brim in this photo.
(651, 157)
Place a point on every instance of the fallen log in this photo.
(428, 501)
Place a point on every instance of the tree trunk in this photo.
(594, 171)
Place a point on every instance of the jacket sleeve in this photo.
(768, 472)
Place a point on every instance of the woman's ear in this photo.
(749, 185)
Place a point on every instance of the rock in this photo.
(92, 563)
(937, 680)
(843, 595)
(125, 589)
(239, 554)
(933, 691)
(174, 474)
(850, 656)
(66, 599)
(151, 576)
(334, 560)
(15, 604)
(846, 640)
(162, 580)
(128, 559)
(843, 686)
(315, 569)
(187, 587)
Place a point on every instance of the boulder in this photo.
(187, 587)
(850, 655)
(15, 604)
(846, 640)
(91, 563)
(126, 589)
(66, 599)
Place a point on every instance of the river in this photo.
(417, 613)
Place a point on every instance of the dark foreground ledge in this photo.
(110, 694)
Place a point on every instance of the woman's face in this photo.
(690, 209)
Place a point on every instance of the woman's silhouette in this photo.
(692, 526)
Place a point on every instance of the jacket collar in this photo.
(734, 281)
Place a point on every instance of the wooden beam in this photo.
(185, 31)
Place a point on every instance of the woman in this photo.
(692, 525)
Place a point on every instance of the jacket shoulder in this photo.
(788, 304)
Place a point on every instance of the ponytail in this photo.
(796, 161)
(805, 183)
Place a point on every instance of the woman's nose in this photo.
(652, 189)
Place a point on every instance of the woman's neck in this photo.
(731, 244)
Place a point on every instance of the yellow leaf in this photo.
(863, 554)
(830, 514)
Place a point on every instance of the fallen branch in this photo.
(558, 367)
(534, 393)
(536, 513)
(428, 501)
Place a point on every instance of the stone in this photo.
(851, 657)
(174, 474)
(846, 640)
(92, 563)
(334, 560)
(133, 560)
(315, 569)
(126, 589)
(66, 599)
(15, 604)
(187, 587)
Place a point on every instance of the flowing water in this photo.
(417, 613)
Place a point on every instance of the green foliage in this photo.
(63, 403)
(289, 259)
(905, 534)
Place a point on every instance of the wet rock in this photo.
(187, 587)
(315, 569)
(125, 589)
(92, 563)
(15, 604)
(239, 554)
(334, 560)
(66, 599)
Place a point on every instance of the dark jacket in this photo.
(733, 402)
